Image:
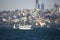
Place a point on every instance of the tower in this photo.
(37, 6)
(42, 6)
(56, 7)
(36, 1)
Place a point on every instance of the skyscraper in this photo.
(56, 7)
(42, 6)
(37, 6)
(36, 1)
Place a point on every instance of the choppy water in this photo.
(29, 34)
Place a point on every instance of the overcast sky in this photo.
(25, 4)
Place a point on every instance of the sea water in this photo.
(38, 34)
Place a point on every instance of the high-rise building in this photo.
(56, 7)
(36, 1)
(37, 6)
(42, 6)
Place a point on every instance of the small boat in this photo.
(14, 26)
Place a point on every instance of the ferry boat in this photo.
(22, 27)
(25, 27)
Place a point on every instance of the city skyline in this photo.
(25, 4)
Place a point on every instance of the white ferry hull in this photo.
(25, 27)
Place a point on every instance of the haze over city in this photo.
(29, 19)
(25, 4)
